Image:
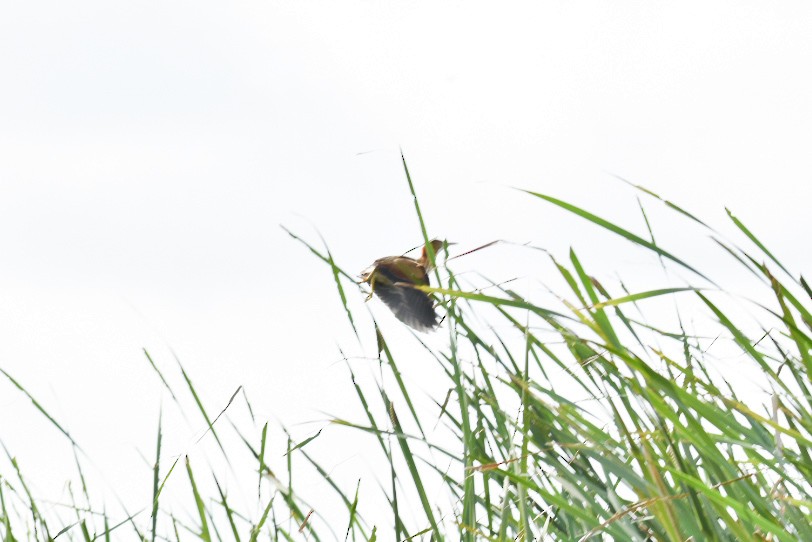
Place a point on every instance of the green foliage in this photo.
(570, 422)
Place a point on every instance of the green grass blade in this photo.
(739, 224)
(156, 477)
(304, 443)
(160, 375)
(337, 274)
(39, 407)
(642, 295)
(201, 507)
(261, 458)
(228, 510)
(414, 472)
(617, 230)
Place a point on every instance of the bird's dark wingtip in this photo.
(411, 306)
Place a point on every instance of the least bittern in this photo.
(394, 280)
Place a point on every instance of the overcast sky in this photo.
(150, 150)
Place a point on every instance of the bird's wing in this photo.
(411, 306)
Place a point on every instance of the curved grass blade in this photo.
(337, 273)
(201, 507)
(754, 239)
(227, 508)
(304, 443)
(495, 301)
(660, 198)
(156, 476)
(40, 408)
(636, 239)
(413, 471)
(642, 295)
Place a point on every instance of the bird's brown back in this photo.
(401, 269)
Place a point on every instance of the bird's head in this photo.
(436, 245)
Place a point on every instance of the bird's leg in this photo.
(371, 282)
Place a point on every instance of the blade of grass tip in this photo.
(168, 474)
(156, 477)
(429, 248)
(57, 535)
(42, 410)
(642, 295)
(466, 253)
(353, 508)
(782, 292)
(304, 443)
(337, 273)
(665, 201)
(82, 520)
(211, 425)
(570, 280)
(384, 347)
(266, 470)
(650, 232)
(160, 375)
(619, 312)
(85, 532)
(599, 314)
(200, 406)
(256, 529)
(262, 458)
(749, 266)
(806, 287)
(339, 287)
(201, 507)
(636, 239)
(415, 474)
(648, 224)
(318, 254)
(802, 342)
(31, 505)
(739, 224)
(415, 535)
(248, 406)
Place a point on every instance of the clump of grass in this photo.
(597, 424)
(581, 419)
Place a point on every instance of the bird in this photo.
(394, 279)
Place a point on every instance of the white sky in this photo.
(150, 150)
